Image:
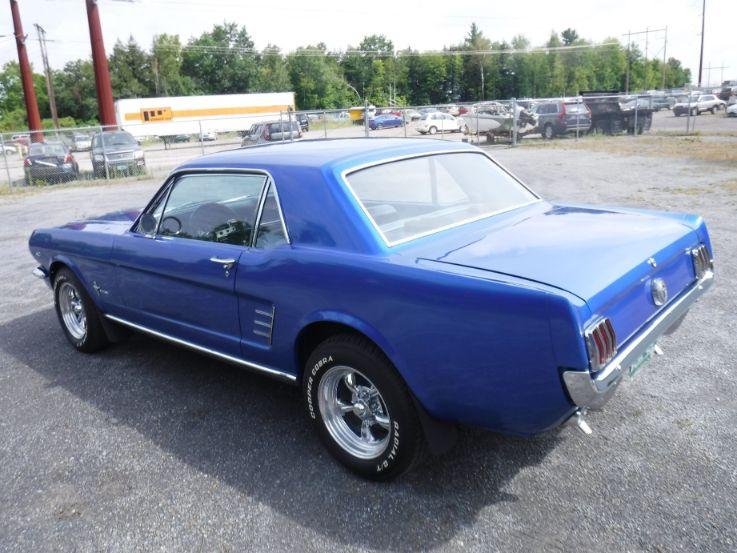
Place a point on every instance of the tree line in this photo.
(224, 60)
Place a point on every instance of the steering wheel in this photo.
(212, 217)
(171, 225)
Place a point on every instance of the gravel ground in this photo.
(146, 446)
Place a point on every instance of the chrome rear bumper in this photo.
(593, 391)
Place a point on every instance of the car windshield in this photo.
(415, 197)
(47, 150)
(115, 139)
(576, 108)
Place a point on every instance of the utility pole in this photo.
(629, 62)
(647, 66)
(665, 48)
(102, 71)
(701, 56)
(29, 94)
(47, 70)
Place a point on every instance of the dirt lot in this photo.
(146, 446)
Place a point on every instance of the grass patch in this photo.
(682, 147)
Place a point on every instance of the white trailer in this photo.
(175, 115)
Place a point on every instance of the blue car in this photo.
(408, 286)
(385, 121)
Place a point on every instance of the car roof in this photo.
(343, 152)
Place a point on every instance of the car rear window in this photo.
(414, 197)
(576, 108)
(47, 150)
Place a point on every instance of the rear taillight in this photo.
(267, 134)
(601, 342)
(702, 261)
(69, 159)
(27, 162)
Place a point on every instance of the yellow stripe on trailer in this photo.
(202, 112)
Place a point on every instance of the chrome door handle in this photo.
(227, 263)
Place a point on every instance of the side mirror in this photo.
(148, 223)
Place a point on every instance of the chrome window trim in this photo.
(389, 243)
(172, 177)
(275, 373)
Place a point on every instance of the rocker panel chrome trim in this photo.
(275, 373)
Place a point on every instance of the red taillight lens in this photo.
(27, 162)
(601, 342)
(562, 113)
(69, 158)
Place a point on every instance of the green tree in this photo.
(166, 66)
(130, 70)
(12, 103)
(317, 80)
(76, 94)
(273, 75)
(569, 37)
(221, 61)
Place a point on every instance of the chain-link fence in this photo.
(152, 149)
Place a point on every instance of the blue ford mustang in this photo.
(407, 285)
(385, 121)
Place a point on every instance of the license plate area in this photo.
(635, 367)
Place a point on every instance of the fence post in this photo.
(637, 106)
(289, 123)
(478, 131)
(325, 122)
(104, 153)
(514, 121)
(281, 125)
(688, 115)
(365, 119)
(5, 158)
(202, 143)
(404, 120)
(578, 115)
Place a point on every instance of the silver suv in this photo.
(698, 104)
(272, 131)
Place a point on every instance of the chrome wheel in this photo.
(72, 311)
(354, 412)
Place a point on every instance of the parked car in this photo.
(181, 138)
(697, 105)
(81, 142)
(49, 162)
(304, 121)
(728, 88)
(272, 131)
(661, 101)
(732, 110)
(412, 114)
(436, 121)
(386, 121)
(406, 285)
(23, 139)
(9, 149)
(116, 152)
(560, 117)
(208, 136)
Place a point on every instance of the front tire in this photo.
(361, 408)
(433, 130)
(78, 315)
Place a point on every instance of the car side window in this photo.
(271, 227)
(213, 207)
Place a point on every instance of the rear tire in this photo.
(433, 130)
(361, 409)
(78, 315)
(548, 132)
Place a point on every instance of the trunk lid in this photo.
(600, 255)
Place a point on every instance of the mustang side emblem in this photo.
(651, 261)
(659, 291)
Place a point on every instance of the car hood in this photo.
(116, 222)
(580, 249)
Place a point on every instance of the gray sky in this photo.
(422, 25)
